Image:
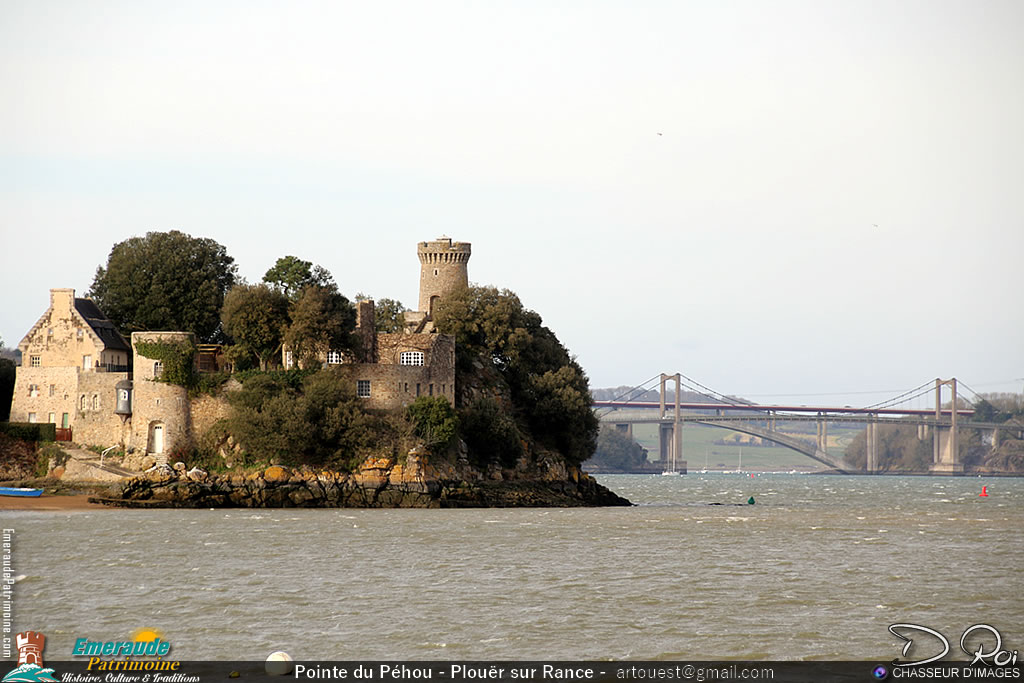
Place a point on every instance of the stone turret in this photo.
(442, 270)
(161, 413)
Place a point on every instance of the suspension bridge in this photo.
(942, 423)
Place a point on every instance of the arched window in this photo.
(95, 402)
(81, 403)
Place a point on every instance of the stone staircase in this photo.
(85, 465)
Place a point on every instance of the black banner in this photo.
(96, 670)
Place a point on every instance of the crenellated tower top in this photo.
(30, 647)
(442, 270)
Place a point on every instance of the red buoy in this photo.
(984, 492)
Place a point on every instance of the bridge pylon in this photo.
(946, 443)
(871, 441)
(671, 450)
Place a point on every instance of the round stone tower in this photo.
(442, 270)
(161, 412)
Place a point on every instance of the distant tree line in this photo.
(617, 451)
(900, 449)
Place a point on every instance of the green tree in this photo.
(491, 433)
(165, 281)
(434, 420)
(322, 320)
(255, 317)
(899, 450)
(618, 451)
(549, 388)
(984, 411)
(290, 275)
(389, 316)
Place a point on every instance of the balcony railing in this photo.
(110, 367)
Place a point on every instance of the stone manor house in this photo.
(80, 373)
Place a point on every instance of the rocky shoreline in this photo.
(378, 483)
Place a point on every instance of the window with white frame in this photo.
(334, 358)
(158, 369)
(33, 390)
(32, 417)
(34, 361)
(363, 388)
(411, 358)
(289, 361)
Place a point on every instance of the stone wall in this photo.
(438, 349)
(393, 385)
(206, 411)
(41, 391)
(95, 423)
(164, 406)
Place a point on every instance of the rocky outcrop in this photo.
(378, 483)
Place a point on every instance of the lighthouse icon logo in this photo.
(30, 660)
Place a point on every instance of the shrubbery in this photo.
(490, 433)
(30, 431)
(434, 420)
(618, 451)
(319, 422)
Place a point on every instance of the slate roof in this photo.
(101, 325)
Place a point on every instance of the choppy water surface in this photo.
(817, 569)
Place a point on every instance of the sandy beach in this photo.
(50, 502)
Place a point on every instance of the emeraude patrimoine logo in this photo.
(30, 660)
(146, 643)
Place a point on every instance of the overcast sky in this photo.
(800, 201)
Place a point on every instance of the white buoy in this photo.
(279, 663)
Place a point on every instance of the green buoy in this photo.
(750, 501)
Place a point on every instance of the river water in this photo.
(818, 568)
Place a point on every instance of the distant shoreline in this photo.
(937, 475)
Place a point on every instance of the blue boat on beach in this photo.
(12, 491)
